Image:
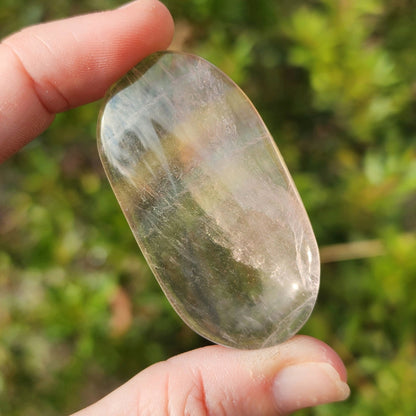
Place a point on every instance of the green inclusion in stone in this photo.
(210, 201)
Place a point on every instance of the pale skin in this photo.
(50, 68)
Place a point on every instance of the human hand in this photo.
(50, 68)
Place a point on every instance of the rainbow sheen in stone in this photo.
(210, 201)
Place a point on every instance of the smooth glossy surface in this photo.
(210, 201)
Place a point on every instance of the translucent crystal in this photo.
(210, 201)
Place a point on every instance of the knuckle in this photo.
(183, 392)
(198, 402)
(28, 49)
(195, 401)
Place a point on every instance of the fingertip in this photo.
(308, 384)
(169, 25)
(299, 373)
(327, 353)
(309, 373)
(160, 16)
(49, 68)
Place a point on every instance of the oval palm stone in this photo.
(210, 201)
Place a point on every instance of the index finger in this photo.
(49, 68)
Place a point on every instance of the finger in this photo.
(49, 68)
(216, 380)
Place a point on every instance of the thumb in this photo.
(215, 380)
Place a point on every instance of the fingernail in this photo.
(308, 384)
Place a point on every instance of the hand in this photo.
(52, 67)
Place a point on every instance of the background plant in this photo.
(80, 312)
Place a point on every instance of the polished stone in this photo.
(210, 201)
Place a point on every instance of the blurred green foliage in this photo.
(335, 82)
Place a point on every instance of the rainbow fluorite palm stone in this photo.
(210, 201)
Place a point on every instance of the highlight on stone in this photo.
(210, 201)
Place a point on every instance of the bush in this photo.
(334, 80)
